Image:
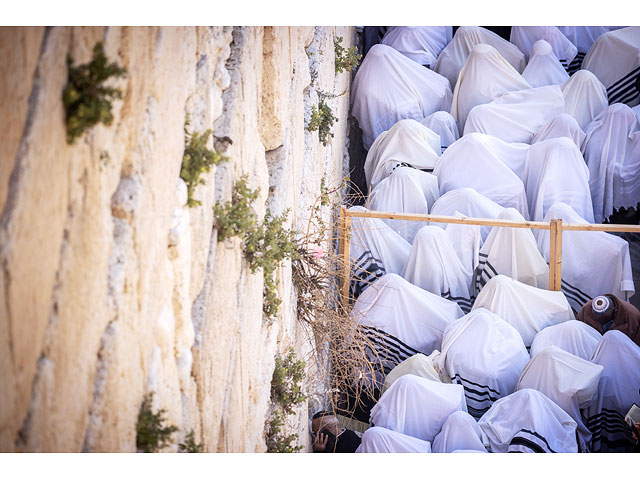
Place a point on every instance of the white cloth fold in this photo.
(389, 87)
(419, 364)
(459, 432)
(584, 97)
(573, 336)
(564, 125)
(420, 44)
(543, 67)
(525, 37)
(383, 440)
(444, 125)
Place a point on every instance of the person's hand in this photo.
(320, 442)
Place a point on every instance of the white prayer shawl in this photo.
(528, 309)
(485, 355)
(389, 87)
(612, 153)
(512, 252)
(529, 422)
(543, 67)
(468, 202)
(486, 75)
(444, 125)
(402, 319)
(406, 190)
(615, 59)
(584, 97)
(418, 364)
(460, 167)
(407, 142)
(420, 44)
(454, 55)
(573, 336)
(564, 125)
(525, 37)
(636, 110)
(556, 172)
(434, 266)
(593, 263)
(618, 389)
(375, 250)
(466, 241)
(417, 406)
(517, 116)
(569, 381)
(582, 37)
(459, 432)
(383, 440)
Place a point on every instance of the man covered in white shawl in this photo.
(383, 440)
(417, 406)
(486, 75)
(584, 97)
(402, 320)
(569, 381)
(517, 116)
(459, 432)
(555, 172)
(572, 336)
(543, 67)
(584, 253)
(454, 55)
(485, 355)
(582, 37)
(529, 422)
(389, 87)
(375, 250)
(528, 309)
(443, 124)
(419, 364)
(512, 252)
(612, 153)
(564, 125)
(614, 58)
(420, 44)
(525, 37)
(618, 389)
(459, 167)
(434, 266)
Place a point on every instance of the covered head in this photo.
(584, 97)
(572, 336)
(420, 44)
(564, 125)
(389, 87)
(459, 432)
(444, 125)
(543, 67)
(383, 440)
(525, 37)
(419, 364)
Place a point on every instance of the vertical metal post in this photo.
(345, 253)
(555, 254)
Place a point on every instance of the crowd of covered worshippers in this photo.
(474, 353)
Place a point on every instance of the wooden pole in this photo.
(555, 255)
(345, 253)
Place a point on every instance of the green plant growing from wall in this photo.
(322, 119)
(189, 445)
(86, 99)
(236, 217)
(346, 58)
(197, 159)
(286, 393)
(151, 432)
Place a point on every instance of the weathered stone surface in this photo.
(110, 287)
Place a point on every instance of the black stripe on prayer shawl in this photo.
(629, 92)
(366, 270)
(388, 347)
(405, 164)
(576, 64)
(534, 447)
(609, 430)
(458, 377)
(623, 80)
(536, 434)
(476, 413)
(630, 96)
(386, 352)
(391, 338)
(574, 292)
(465, 304)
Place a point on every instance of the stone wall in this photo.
(110, 287)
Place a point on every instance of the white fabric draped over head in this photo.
(543, 67)
(512, 252)
(527, 421)
(402, 407)
(569, 381)
(419, 364)
(460, 167)
(389, 87)
(383, 440)
(612, 153)
(573, 336)
(556, 172)
(517, 116)
(486, 75)
(584, 253)
(459, 432)
(617, 391)
(584, 36)
(564, 125)
(615, 59)
(528, 309)
(584, 97)
(525, 37)
(420, 44)
(444, 125)
(454, 55)
(409, 142)
(485, 355)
